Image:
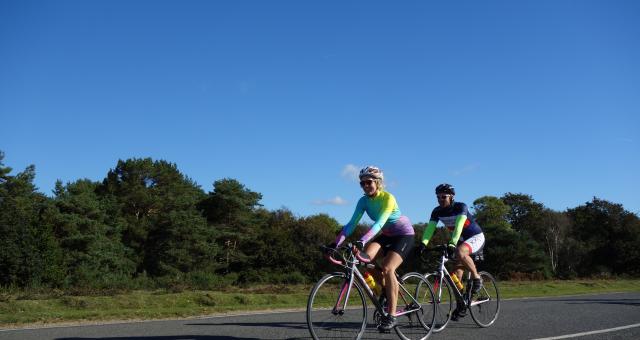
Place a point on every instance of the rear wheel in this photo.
(485, 304)
(417, 300)
(327, 317)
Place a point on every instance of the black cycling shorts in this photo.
(400, 244)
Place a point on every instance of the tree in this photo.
(232, 209)
(29, 253)
(230, 203)
(93, 250)
(4, 170)
(526, 215)
(558, 225)
(492, 211)
(292, 245)
(163, 227)
(506, 251)
(605, 239)
(545, 226)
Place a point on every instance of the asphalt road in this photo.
(612, 316)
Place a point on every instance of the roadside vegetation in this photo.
(148, 242)
(33, 307)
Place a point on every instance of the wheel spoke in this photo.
(445, 300)
(326, 317)
(415, 294)
(485, 306)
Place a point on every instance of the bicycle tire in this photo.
(445, 299)
(417, 325)
(323, 321)
(485, 304)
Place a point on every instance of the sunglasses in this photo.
(442, 197)
(366, 182)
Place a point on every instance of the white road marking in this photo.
(590, 333)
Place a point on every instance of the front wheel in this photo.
(416, 307)
(485, 304)
(334, 312)
(444, 299)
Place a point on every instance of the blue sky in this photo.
(288, 97)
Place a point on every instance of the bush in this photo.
(287, 278)
(207, 300)
(520, 276)
(172, 283)
(209, 281)
(252, 276)
(75, 302)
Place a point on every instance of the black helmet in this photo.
(445, 188)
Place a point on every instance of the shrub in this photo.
(207, 300)
(208, 280)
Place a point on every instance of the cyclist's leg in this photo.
(390, 263)
(464, 252)
(462, 262)
(373, 249)
(398, 249)
(474, 244)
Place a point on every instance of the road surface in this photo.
(586, 317)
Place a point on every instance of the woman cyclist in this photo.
(394, 243)
(466, 237)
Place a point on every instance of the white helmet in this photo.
(371, 171)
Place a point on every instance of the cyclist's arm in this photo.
(387, 208)
(428, 232)
(350, 227)
(457, 230)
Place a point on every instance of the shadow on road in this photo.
(170, 337)
(291, 325)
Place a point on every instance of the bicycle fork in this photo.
(343, 297)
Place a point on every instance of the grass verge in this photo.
(19, 309)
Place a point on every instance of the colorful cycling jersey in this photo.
(384, 210)
(456, 217)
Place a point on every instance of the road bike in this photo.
(484, 305)
(337, 305)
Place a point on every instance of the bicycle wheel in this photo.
(485, 304)
(415, 293)
(331, 313)
(444, 298)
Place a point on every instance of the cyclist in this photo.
(466, 238)
(395, 242)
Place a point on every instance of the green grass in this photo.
(27, 308)
(518, 289)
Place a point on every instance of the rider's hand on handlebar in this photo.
(328, 248)
(451, 250)
(422, 249)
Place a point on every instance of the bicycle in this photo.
(336, 310)
(484, 305)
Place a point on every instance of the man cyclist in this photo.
(466, 236)
(394, 243)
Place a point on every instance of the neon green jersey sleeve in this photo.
(428, 232)
(460, 219)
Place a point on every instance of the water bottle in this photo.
(371, 282)
(456, 281)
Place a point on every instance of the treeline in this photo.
(526, 240)
(147, 225)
